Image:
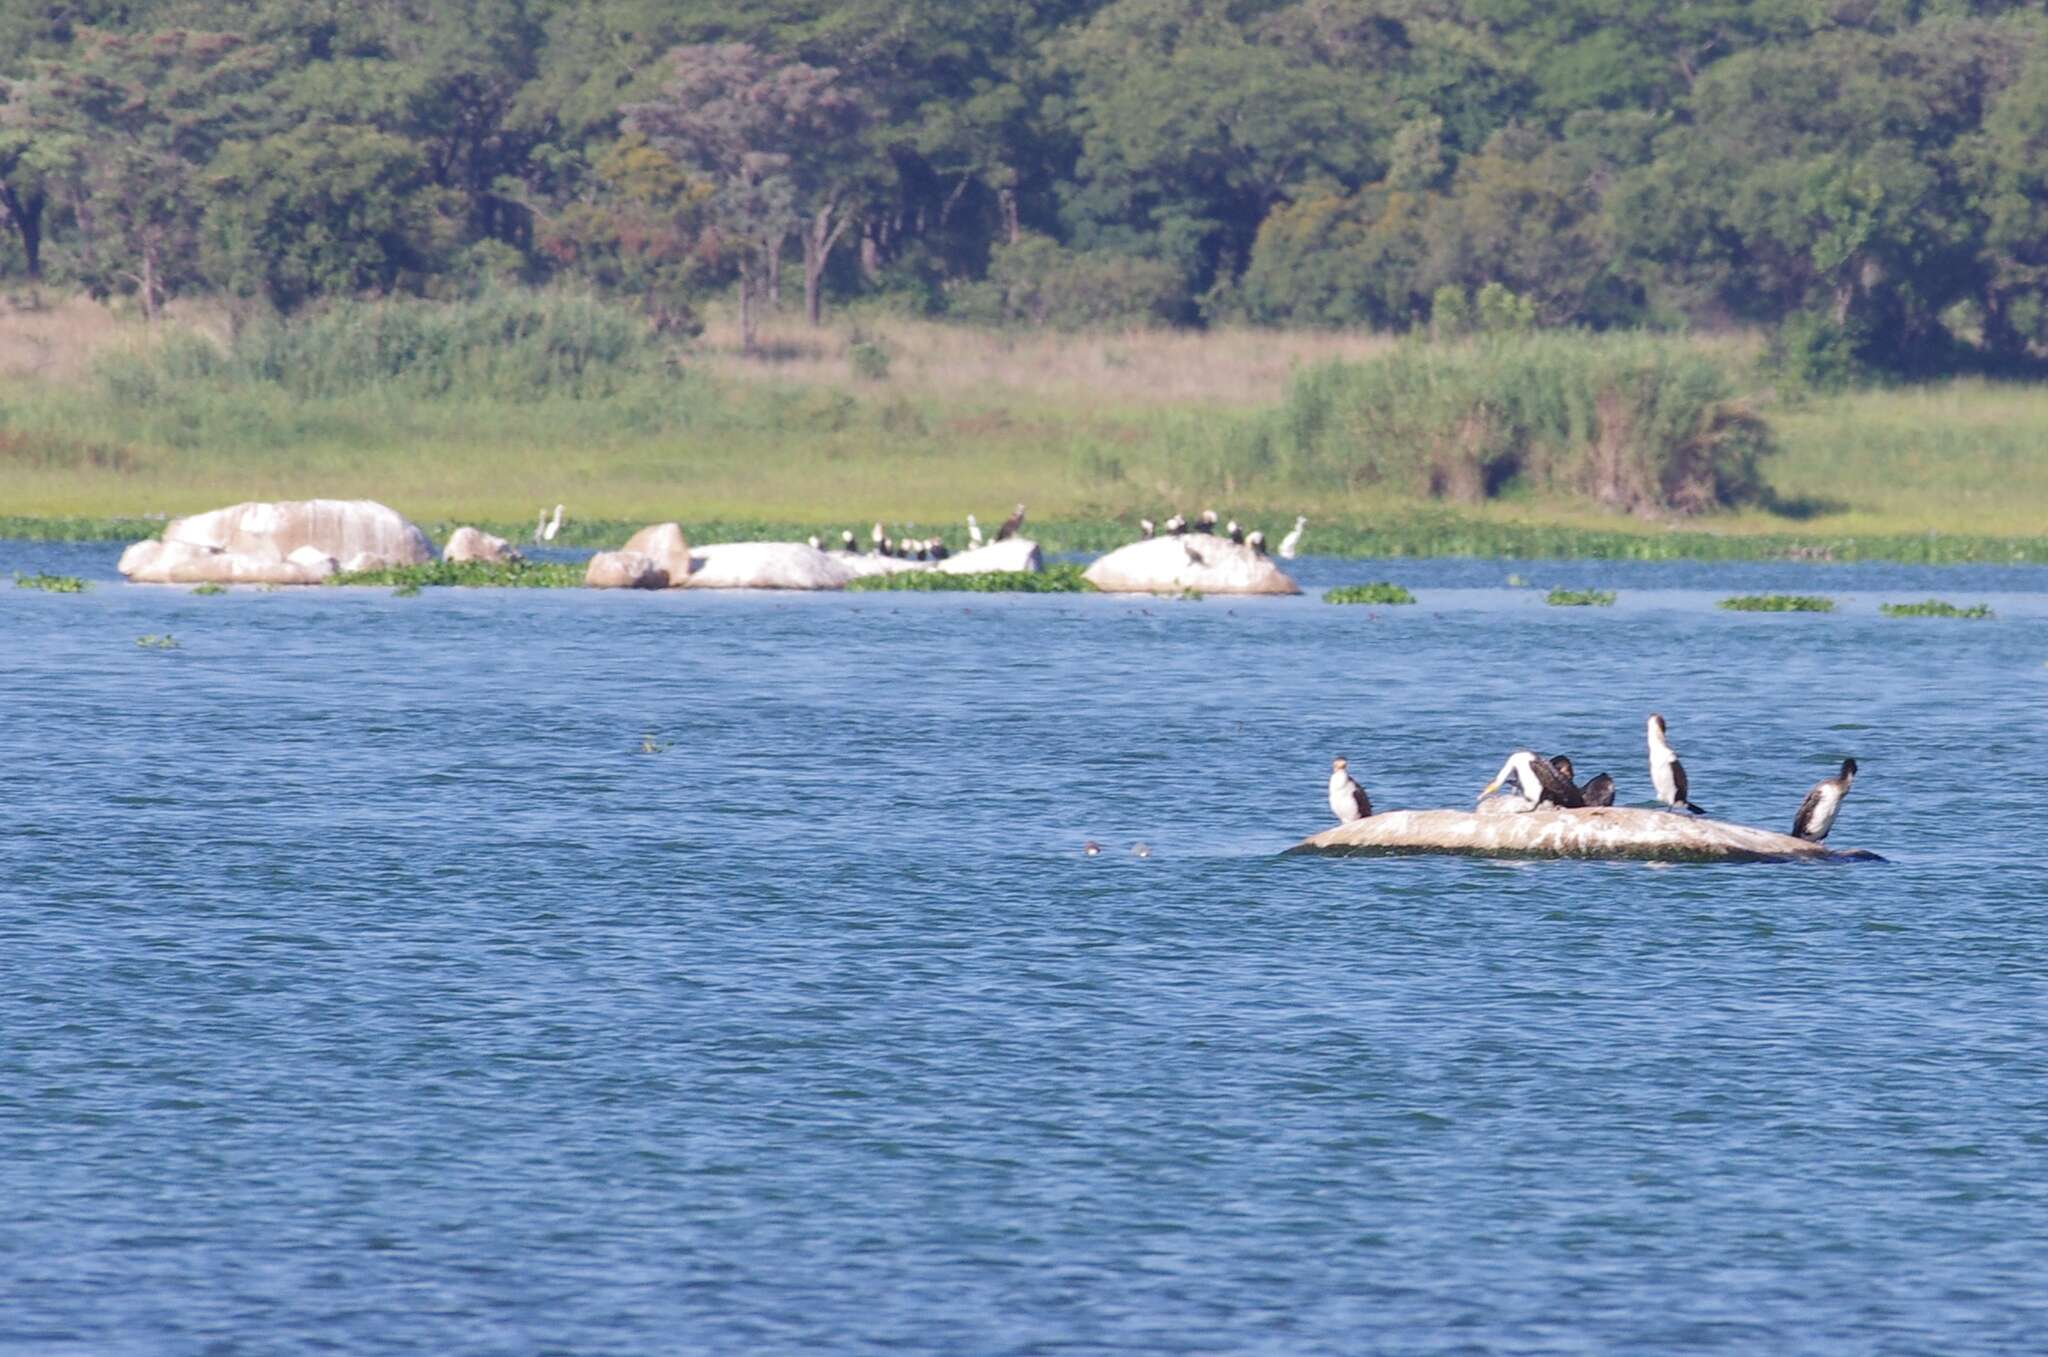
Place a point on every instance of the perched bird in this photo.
(1176, 525)
(1541, 782)
(846, 540)
(877, 536)
(1091, 848)
(1563, 764)
(1347, 799)
(1292, 541)
(939, 551)
(1010, 525)
(1598, 791)
(1817, 812)
(816, 544)
(1207, 522)
(554, 526)
(1235, 533)
(1667, 774)
(1144, 527)
(887, 547)
(1257, 541)
(973, 531)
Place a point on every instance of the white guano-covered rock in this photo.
(765, 565)
(1549, 832)
(288, 542)
(1193, 561)
(474, 544)
(663, 544)
(859, 563)
(1014, 553)
(623, 570)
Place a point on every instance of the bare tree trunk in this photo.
(746, 303)
(149, 252)
(1007, 198)
(25, 214)
(870, 255)
(822, 235)
(775, 273)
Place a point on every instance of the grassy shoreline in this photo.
(1420, 536)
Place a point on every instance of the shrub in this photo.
(1039, 282)
(870, 360)
(1379, 592)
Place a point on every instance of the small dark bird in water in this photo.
(1176, 525)
(1667, 774)
(1010, 525)
(1257, 541)
(1207, 522)
(1348, 800)
(846, 539)
(1235, 533)
(1091, 848)
(1817, 812)
(1144, 527)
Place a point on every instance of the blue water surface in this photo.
(368, 989)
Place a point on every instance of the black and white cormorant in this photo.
(1176, 525)
(1817, 812)
(1207, 522)
(846, 542)
(1667, 774)
(1598, 790)
(817, 543)
(1010, 525)
(1541, 782)
(878, 537)
(1144, 528)
(1257, 541)
(1235, 533)
(1348, 800)
(939, 549)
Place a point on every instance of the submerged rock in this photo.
(623, 570)
(474, 544)
(664, 545)
(766, 565)
(1014, 553)
(1192, 561)
(287, 542)
(1548, 832)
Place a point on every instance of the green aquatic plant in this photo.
(1779, 603)
(1580, 598)
(470, 575)
(209, 589)
(1935, 607)
(155, 642)
(50, 584)
(1377, 592)
(410, 589)
(1054, 579)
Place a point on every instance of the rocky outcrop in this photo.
(1015, 553)
(859, 563)
(289, 542)
(664, 545)
(1193, 561)
(623, 570)
(474, 544)
(766, 565)
(1548, 832)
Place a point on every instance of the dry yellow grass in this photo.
(45, 338)
(1129, 368)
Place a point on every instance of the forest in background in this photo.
(1864, 180)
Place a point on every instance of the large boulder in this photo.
(765, 565)
(663, 544)
(1192, 561)
(474, 544)
(1550, 832)
(289, 542)
(623, 570)
(1014, 553)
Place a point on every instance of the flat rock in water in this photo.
(1547, 832)
(286, 542)
(1012, 553)
(766, 565)
(1192, 561)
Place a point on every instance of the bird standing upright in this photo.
(1010, 525)
(1348, 800)
(1817, 812)
(1292, 541)
(1667, 774)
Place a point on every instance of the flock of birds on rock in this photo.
(1177, 526)
(1550, 782)
(918, 548)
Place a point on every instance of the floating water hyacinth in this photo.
(1778, 603)
(50, 584)
(1935, 607)
(1580, 598)
(1054, 579)
(1377, 592)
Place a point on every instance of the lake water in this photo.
(368, 990)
